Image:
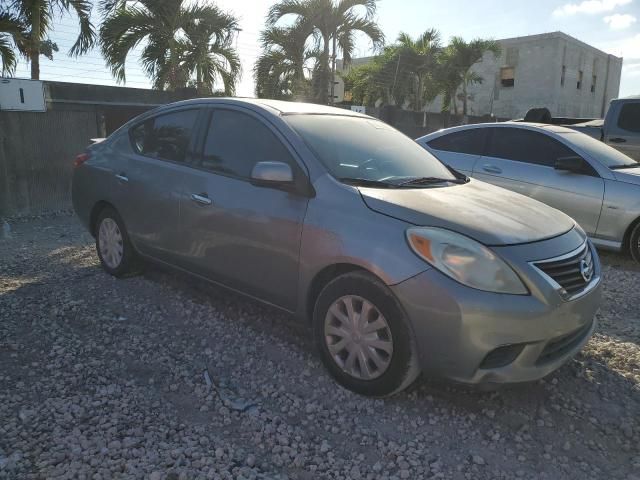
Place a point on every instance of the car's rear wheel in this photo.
(634, 243)
(112, 244)
(363, 336)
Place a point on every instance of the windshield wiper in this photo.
(431, 181)
(365, 182)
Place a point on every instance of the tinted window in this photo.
(166, 136)
(236, 142)
(468, 141)
(630, 117)
(526, 146)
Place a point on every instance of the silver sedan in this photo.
(593, 183)
(400, 264)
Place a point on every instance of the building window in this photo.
(507, 77)
(579, 84)
(563, 76)
(594, 80)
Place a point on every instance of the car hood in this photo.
(628, 175)
(489, 214)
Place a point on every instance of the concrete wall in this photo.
(538, 62)
(37, 149)
(36, 156)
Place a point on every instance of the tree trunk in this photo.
(419, 93)
(333, 72)
(464, 98)
(324, 73)
(36, 35)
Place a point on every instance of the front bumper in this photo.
(477, 337)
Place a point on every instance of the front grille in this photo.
(559, 346)
(572, 272)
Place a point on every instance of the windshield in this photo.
(366, 149)
(608, 156)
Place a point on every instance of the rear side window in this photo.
(237, 141)
(526, 146)
(166, 137)
(471, 142)
(630, 117)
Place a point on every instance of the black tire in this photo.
(403, 368)
(634, 243)
(127, 262)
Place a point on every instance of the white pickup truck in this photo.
(620, 128)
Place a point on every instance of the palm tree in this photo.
(280, 70)
(209, 52)
(11, 33)
(180, 40)
(334, 23)
(417, 63)
(38, 17)
(457, 61)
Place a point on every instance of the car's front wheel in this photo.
(634, 243)
(112, 244)
(363, 336)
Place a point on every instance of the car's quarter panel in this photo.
(621, 208)
(340, 229)
(456, 327)
(95, 180)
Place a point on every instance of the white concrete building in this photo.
(553, 70)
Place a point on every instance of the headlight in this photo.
(464, 260)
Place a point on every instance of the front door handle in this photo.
(617, 140)
(122, 177)
(491, 168)
(201, 198)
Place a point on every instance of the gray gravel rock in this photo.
(103, 378)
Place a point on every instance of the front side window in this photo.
(471, 142)
(630, 117)
(526, 146)
(165, 137)
(237, 141)
(363, 148)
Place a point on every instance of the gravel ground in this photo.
(103, 378)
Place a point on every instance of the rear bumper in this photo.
(477, 337)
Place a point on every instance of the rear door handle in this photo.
(617, 140)
(491, 169)
(202, 199)
(122, 177)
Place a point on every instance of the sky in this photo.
(610, 25)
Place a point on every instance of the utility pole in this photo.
(332, 101)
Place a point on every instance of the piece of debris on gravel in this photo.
(163, 377)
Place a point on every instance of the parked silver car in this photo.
(588, 180)
(401, 264)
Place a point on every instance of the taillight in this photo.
(80, 159)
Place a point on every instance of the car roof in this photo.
(524, 125)
(277, 107)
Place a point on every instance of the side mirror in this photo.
(572, 164)
(272, 174)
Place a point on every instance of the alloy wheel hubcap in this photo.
(111, 244)
(358, 337)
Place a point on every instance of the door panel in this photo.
(247, 237)
(578, 195)
(460, 149)
(153, 180)
(625, 134)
